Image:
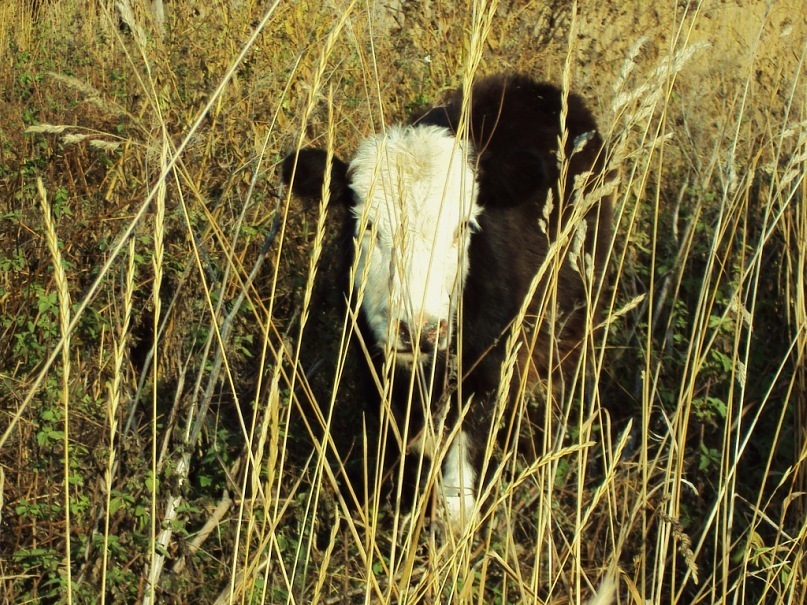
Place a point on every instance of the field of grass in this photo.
(178, 417)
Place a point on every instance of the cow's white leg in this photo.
(458, 487)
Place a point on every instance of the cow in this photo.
(476, 236)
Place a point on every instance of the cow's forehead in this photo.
(416, 175)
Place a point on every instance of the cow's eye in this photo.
(368, 231)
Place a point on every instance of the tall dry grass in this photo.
(180, 419)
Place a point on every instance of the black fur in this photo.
(310, 173)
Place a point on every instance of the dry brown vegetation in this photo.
(176, 422)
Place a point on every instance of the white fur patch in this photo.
(415, 208)
(458, 487)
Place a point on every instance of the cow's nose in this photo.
(432, 335)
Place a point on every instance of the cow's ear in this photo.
(515, 178)
(443, 116)
(305, 172)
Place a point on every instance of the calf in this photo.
(467, 237)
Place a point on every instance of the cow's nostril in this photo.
(433, 335)
(404, 336)
(430, 335)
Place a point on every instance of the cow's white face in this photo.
(415, 210)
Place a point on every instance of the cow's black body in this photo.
(515, 126)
